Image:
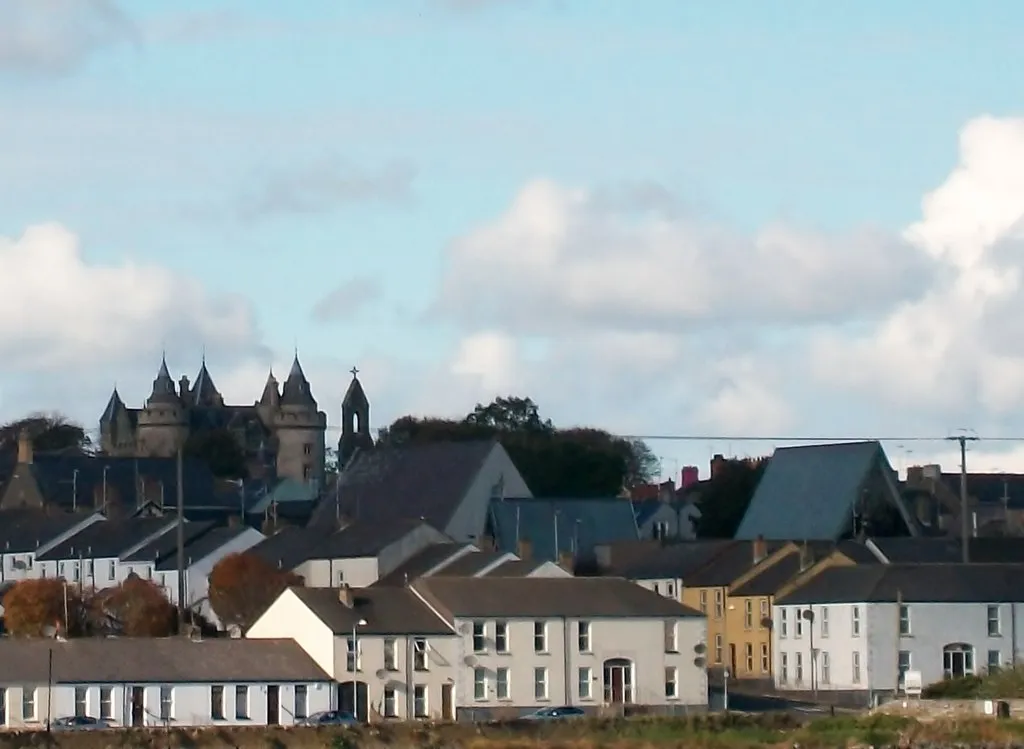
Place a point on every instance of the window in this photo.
(301, 709)
(307, 449)
(765, 661)
(855, 622)
(479, 637)
(107, 702)
(671, 637)
(352, 659)
(479, 684)
(994, 630)
(718, 603)
(764, 612)
(241, 702)
(748, 614)
(501, 637)
(671, 683)
(798, 616)
(748, 655)
(540, 637)
(217, 702)
(856, 667)
(419, 654)
(583, 636)
(166, 703)
(903, 662)
(584, 680)
(501, 683)
(111, 570)
(904, 620)
(390, 703)
(657, 588)
(307, 471)
(670, 592)
(783, 623)
(88, 569)
(540, 683)
(799, 662)
(957, 660)
(704, 602)
(390, 654)
(81, 707)
(659, 530)
(28, 703)
(823, 619)
(784, 668)
(419, 701)
(995, 660)
(825, 667)
(718, 648)
(3, 706)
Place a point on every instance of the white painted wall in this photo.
(357, 572)
(669, 587)
(22, 565)
(289, 617)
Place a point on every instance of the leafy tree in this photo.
(219, 449)
(51, 432)
(577, 462)
(243, 585)
(31, 607)
(137, 608)
(724, 499)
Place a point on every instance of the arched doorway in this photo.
(957, 660)
(361, 706)
(618, 681)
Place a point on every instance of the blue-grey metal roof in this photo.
(554, 526)
(809, 492)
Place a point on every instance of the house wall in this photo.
(469, 520)
(550, 569)
(357, 572)
(22, 565)
(289, 617)
(711, 601)
(668, 587)
(678, 522)
(747, 632)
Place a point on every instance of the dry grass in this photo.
(733, 731)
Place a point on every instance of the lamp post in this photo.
(808, 615)
(355, 666)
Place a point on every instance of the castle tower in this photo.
(299, 427)
(117, 432)
(355, 421)
(163, 423)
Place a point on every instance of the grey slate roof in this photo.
(362, 538)
(387, 610)
(912, 583)
(941, 550)
(107, 538)
(416, 481)
(723, 569)
(546, 597)
(653, 561)
(148, 660)
(201, 547)
(23, 531)
(166, 543)
(296, 391)
(288, 548)
(808, 492)
(421, 564)
(581, 524)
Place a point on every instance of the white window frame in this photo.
(540, 636)
(540, 683)
(501, 637)
(583, 636)
(995, 624)
(671, 683)
(855, 621)
(584, 683)
(479, 684)
(502, 685)
(479, 637)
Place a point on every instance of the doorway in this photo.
(618, 681)
(360, 705)
(138, 706)
(732, 659)
(447, 703)
(957, 660)
(273, 705)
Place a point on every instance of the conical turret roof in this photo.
(297, 391)
(163, 386)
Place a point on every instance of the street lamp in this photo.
(355, 666)
(808, 614)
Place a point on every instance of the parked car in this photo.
(80, 723)
(330, 718)
(556, 713)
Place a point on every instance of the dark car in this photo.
(329, 718)
(79, 723)
(556, 713)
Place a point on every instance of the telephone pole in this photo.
(965, 524)
(181, 542)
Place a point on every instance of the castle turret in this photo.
(300, 427)
(163, 422)
(117, 428)
(355, 421)
(204, 393)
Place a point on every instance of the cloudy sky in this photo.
(720, 219)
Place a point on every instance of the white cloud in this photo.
(59, 311)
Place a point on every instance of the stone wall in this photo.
(925, 710)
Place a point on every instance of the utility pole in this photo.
(965, 521)
(181, 544)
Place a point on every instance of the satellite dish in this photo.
(469, 660)
(49, 631)
(382, 673)
(700, 647)
(464, 628)
(698, 662)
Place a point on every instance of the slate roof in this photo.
(675, 560)
(23, 531)
(421, 564)
(386, 610)
(545, 597)
(582, 524)
(944, 550)
(912, 583)
(416, 481)
(148, 660)
(288, 548)
(168, 542)
(808, 492)
(362, 538)
(201, 547)
(645, 509)
(723, 569)
(108, 538)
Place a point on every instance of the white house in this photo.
(859, 629)
(160, 682)
(27, 533)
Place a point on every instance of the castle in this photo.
(282, 435)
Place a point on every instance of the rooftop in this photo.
(386, 610)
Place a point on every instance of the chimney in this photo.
(760, 548)
(717, 464)
(915, 475)
(24, 447)
(345, 595)
(689, 477)
(183, 386)
(566, 561)
(525, 550)
(806, 558)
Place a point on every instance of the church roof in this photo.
(355, 397)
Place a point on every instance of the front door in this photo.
(447, 708)
(273, 705)
(732, 659)
(138, 706)
(618, 681)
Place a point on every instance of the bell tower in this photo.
(355, 421)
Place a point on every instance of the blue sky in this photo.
(342, 176)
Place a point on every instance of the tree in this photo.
(136, 608)
(51, 432)
(578, 462)
(724, 500)
(31, 607)
(243, 585)
(219, 449)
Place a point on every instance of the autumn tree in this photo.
(243, 585)
(136, 608)
(32, 607)
(219, 449)
(50, 432)
(577, 462)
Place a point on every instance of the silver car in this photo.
(79, 723)
(329, 718)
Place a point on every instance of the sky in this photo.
(713, 221)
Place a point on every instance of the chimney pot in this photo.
(24, 447)
(760, 548)
(566, 561)
(345, 595)
(525, 549)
